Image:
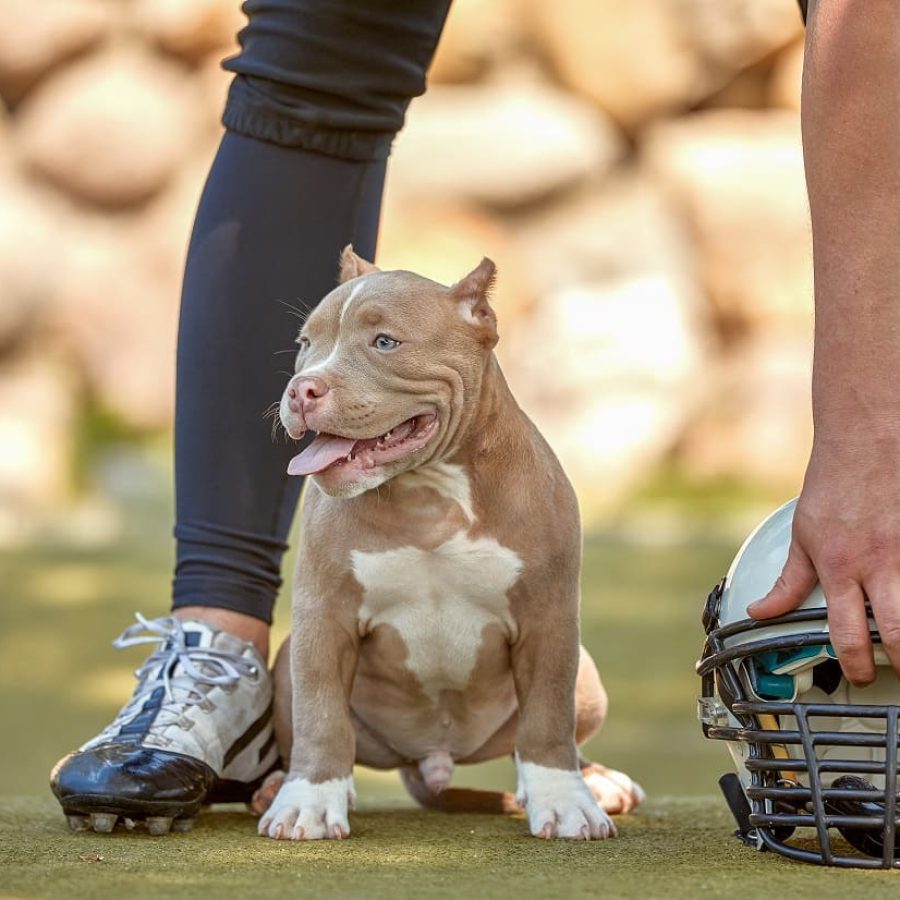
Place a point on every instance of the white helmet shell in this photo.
(758, 565)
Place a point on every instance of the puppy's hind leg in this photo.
(614, 791)
(265, 793)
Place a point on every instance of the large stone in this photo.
(757, 423)
(190, 29)
(644, 58)
(734, 33)
(38, 35)
(116, 313)
(622, 228)
(787, 75)
(7, 152)
(213, 82)
(610, 362)
(738, 177)
(163, 228)
(478, 35)
(30, 226)
(36, 419)
(504, 145)
(445, 242)
(111, 129)
(749, 89)
(612, 374)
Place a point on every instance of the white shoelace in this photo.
(199, 667)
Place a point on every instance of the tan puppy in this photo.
(435, 613)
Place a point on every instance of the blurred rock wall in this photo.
(633, 168)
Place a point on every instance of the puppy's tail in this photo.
(458, 800)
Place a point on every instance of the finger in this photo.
(848, 628)
(885, 600)
(797, 579)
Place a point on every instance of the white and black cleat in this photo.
(197, 730)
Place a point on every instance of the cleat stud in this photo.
(78, 823)
(183, 824)
(159, 824)
(103, 823)
(128, 823)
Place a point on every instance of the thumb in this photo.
(797, 579)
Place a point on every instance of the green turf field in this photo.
(66, 597)
(677, 847)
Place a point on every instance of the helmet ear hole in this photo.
(827, 676)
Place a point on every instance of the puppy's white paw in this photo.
(613, 790)
(560, 805)
(303, 811)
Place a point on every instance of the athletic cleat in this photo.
(198, 730)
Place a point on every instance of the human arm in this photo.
(847, 523)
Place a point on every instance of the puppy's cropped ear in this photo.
(352, 266)
(472, 295)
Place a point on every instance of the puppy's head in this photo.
(388, 374)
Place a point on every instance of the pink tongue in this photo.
(320, 454)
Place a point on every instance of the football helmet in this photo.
(816, 757)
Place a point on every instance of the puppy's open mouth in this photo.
(331, 451)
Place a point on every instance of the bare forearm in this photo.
(851, 137)
(846, 528)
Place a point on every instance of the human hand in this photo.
(846, 535)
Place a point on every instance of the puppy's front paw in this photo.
(560, 805)
(303, 811)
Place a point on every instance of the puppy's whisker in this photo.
(301, 314)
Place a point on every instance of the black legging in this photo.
(321, 89)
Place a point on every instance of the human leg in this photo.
(269, 229)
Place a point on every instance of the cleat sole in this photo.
(103, 823)
(78, 823)
(159, 824)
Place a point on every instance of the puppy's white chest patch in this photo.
(439, 601)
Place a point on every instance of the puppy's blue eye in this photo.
(383, 342)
